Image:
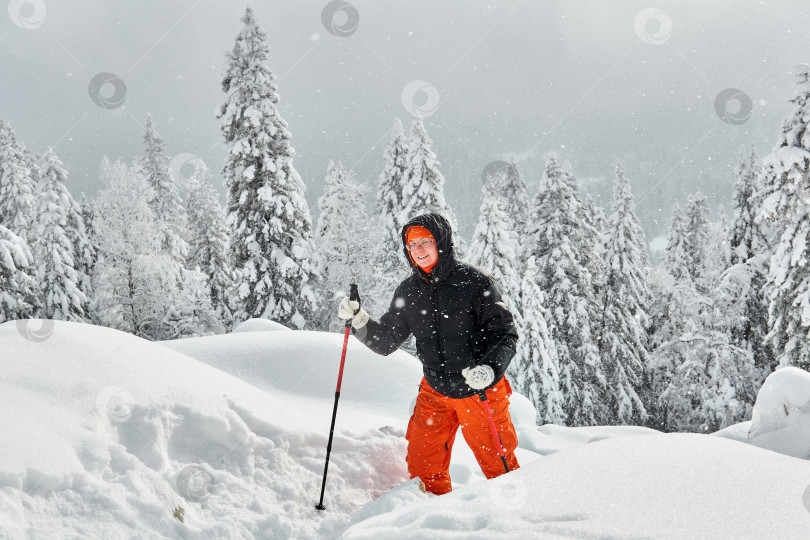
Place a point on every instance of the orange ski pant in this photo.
(432, 430)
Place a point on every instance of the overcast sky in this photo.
(593, 81)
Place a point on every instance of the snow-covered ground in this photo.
(105, 435)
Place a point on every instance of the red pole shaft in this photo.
(343, 357)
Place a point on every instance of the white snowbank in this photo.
(551, 438)
(780, 420)
(662, 486)
(259, 325)
(105, 435)
(304, 366)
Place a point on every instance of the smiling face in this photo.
(427, 256)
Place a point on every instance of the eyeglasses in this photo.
(424, 244)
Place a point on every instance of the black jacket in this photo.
(455, 312)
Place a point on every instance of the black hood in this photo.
(440, 228)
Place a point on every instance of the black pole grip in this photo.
(354, 296)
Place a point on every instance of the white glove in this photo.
(478, 377)
(347, 311)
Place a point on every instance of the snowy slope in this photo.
(306, 364)
(106, 435)
(664, 486)
(259, 325)
(103, 432)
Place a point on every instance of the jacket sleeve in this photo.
(498, 332)
(386, 336)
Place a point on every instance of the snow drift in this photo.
(662, 486)
(780, 420)
(106, 435)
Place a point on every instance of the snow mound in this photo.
(552, 438)
(259, 325)
(780, 420)
(305, 365)
(106, 435)
(781, 417)
(661, 486)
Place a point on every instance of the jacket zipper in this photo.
(436, 324)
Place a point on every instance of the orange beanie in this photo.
(416, 231)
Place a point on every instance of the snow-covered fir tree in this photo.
(697, 235)
(495, 245)
(594, 216)
(712, 381)
(341, 237)
(677, 259)
(672, 288)
(390, 203)
(535, 369)
(785, 208)
(563, 242)
(423, 189)
(423, 186)
(17, 287)
(512, 185)
(271, 227)
(711, 387)
(746, 238)
(139, 288)
(718, 252)
(785, 170)
(704, 381)
(189, 311)
(663, 326)
(166, 202)
(596, 213)
(79, 231)
(389, 265)
(509, 183)
(748, 322)
(17, 209)
(53, 249)
(741, 310)
(671, 313)
(208, 241)
(129, 284)
(86, 211)
(17, 184)
(517, 195)
(749, 257)
(789, 289)
(626, 299)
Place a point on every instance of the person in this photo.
(465, 339)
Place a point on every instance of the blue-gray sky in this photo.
(594, 81)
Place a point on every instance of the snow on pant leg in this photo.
(430, 435)
(476, 430)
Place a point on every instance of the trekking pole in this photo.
(494, 431)
(354, 296)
